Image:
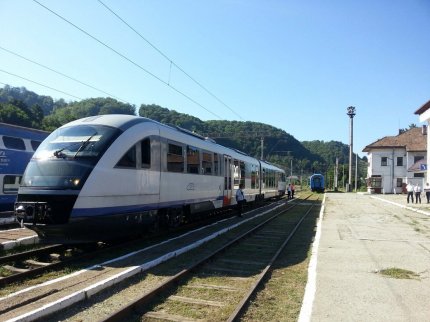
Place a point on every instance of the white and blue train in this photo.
(17, 145)
(110, 176)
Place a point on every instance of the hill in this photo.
(22, 107)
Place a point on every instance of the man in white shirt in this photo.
(410, 190)
(417, 190)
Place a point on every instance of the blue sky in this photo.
(296, 65)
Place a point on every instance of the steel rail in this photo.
(123, 313)
(239, 309)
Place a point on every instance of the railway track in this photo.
(39, 298)
(221, 284)
(18, 267)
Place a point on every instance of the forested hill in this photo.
(245, 136)
(22, 107)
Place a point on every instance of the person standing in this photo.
(410, 190)
(289, 191)
(417, 190)
(427, 191)
(293, 188)
(240, 199)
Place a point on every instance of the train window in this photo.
(236, 172)
(11, 183)
(35, 144)
(13, 143)
(207, 163)
(193, 159)
(216, 164)
(129, 159)
(242, 172)
(145, 146)
(175, 158)
(254, 182)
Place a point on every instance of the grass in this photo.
(399, 273)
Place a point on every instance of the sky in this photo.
(293, 64)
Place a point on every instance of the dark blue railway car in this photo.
(17, 145)
(317, 183)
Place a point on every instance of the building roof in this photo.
(423, 108)
(414, 139)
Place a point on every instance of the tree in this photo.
(14, 115)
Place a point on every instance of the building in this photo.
(424, 116)
(394, 161)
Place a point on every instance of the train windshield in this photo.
(66, 157)
(82, 141)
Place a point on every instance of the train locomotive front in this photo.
(57, 175)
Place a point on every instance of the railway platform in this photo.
(370, 260)
(18, 236)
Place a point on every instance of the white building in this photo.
(424, 116)
(394, 161)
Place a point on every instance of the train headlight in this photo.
(76, 182)
(20, 210)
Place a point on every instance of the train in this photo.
(113, 176)
(17, 145)
(316, 182)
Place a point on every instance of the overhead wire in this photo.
(169, 59)
(62, 74)
(40, 84)
(126, 58)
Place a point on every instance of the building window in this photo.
(384, 161)
(374, 182)
(418, 158)
(400, 161)
(419, 175)
(399, 183)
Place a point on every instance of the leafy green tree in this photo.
(14, 115)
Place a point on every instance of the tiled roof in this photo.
(411, 140)
(423, 108)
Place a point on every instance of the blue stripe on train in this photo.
(108, 211)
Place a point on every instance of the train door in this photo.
(228, 174)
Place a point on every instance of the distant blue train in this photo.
(17, 145)
(316, 182)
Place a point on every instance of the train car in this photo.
(316, 182)
(17, 145)
(111, 176)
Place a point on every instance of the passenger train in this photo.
(111, 176)
(17, 145)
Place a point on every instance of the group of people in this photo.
(416, 190)
(240, 197)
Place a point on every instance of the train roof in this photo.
(120, 121)
(124, 122)
(21, 131)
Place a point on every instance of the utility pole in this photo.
(336, 173)
(351, 114)
(262, 146)
(356, 170)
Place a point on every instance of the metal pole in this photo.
(262, 145)
(356, 167)
(351, 114)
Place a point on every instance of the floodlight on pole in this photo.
(351, 114)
